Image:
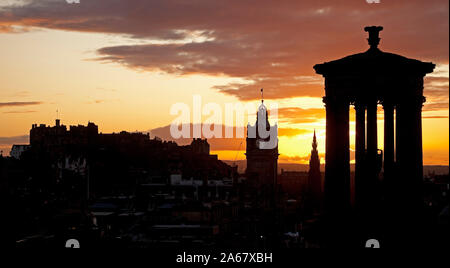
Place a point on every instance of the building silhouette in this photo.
(200, 146)
(18, 149)
(294, 183)
(314, 177)
(262, 163)
(127, 190)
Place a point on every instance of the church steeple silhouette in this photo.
(314, 144)
(314, 176)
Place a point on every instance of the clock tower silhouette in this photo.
(262, 163)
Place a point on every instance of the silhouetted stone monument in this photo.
(366, 80)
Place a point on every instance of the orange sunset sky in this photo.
(122, 63)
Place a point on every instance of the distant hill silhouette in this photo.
(242, 164)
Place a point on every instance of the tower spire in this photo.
(314, 143)
(314, 177)
(262, 95)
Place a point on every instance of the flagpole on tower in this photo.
(57, 121)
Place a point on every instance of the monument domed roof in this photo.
(374, 61)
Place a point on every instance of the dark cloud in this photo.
(434, 116)
(95, 102)
(296, 115)
(14, 104)
(6, 143)
(217, 144)
(289, 132)
(220, 144)
(297, 158)
(435, 106)
(19, 112)
(24, 139)
(20, 94)
(436, 91)
(269, 43)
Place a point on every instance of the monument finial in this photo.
(374, 38)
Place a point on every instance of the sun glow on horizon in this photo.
(58, 72)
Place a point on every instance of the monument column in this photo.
(388, 138)
(371, 161)
(409, 148)
(360, 149)
(337, 156)
(372, 138)
(408, 198)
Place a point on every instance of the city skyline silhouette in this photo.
(178, 126)
(86, 80)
